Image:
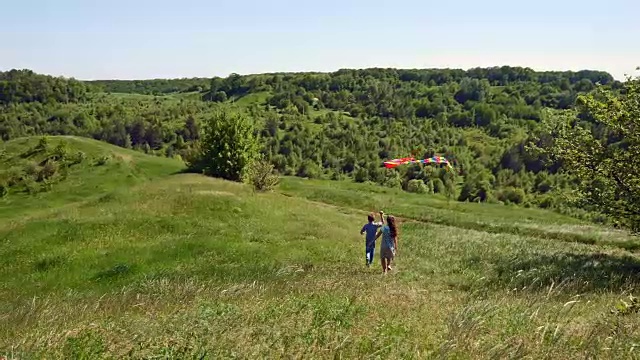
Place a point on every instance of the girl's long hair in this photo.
(392, 226)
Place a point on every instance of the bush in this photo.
(362, 175)
(430, 187)
(169, 152)
(449, 189)
(416, 186)
(438, 186)
(103, 160)
(547, 202)
(14, 177)
(43, 144)
(4, 190)
(78, 157)
(31, 170)
(61, 151)
(31, 187)
(191, 153)
(261, 175)
(47, 171)
(392, 182)
(309, 169)
(512, 195)
(337, 176)
(227, 147)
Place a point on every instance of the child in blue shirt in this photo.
(370, 240)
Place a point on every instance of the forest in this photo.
(338, 125)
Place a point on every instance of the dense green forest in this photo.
(151, 87)
(335, 125)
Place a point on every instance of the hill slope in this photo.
(184, 266)
(89, 170)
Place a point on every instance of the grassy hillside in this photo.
(105, 168)
(131, 259)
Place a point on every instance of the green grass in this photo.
(489, 218)
(85, 181)
(258, 98)
(182, 266)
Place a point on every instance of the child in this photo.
(370, 243)
(389, 245)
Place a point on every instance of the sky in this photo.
(143, 39)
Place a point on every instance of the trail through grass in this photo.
(183, 266)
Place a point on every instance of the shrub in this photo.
(103, 160)
(416, 186)
(309, 169)
(31, 187)
(31, 170)
(392, 182)
(78, 157)
(438, 186)
(337, 176)
(512, 195)
(261, 175)
(14, 177)
(43, 144)
(46, 185)
(547, 201)
(362, 175)
(430, 187)
(191, 153)
(227, 147)
(61, 151)
(4, 190)
(169, 152)
(47, 171)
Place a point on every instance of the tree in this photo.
(261, 175)
(191, 129)
(219, 96)
(228, 146)
(607, 167)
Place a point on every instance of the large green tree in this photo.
(601, 147)
(227, 147)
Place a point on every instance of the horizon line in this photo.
(297, 72)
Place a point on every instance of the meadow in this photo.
(129, 257)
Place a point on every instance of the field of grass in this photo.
(258, 98)
(132, 259)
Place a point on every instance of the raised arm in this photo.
(382, 217)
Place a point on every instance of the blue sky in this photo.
(138, 39)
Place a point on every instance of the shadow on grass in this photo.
(570, 273)
(183, 171)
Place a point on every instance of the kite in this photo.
(390, 164)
